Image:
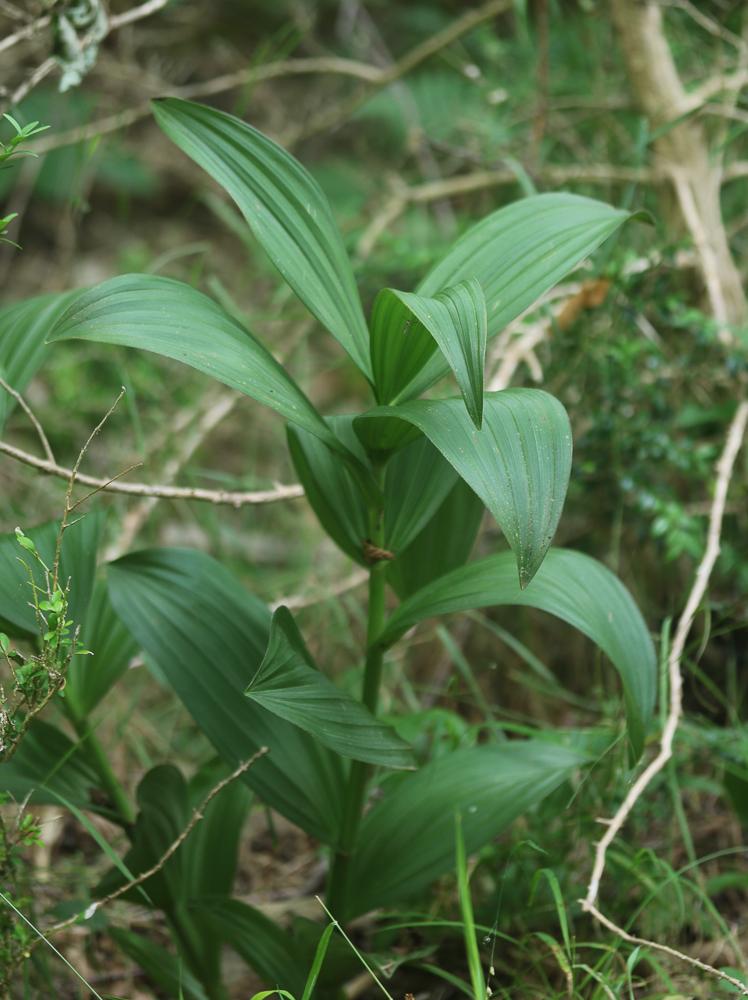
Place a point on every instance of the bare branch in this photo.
(375, 76)
(338, 114)
(44, 69)
(673, 952)
(214, 409)
(136, 14)
(724, 470)
(41, 72)
(307, 600)
(223, 497)
(69, 506)
(197, 815)
(706, 22)
(32, 417)
(27, 31)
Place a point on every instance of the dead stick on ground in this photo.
(725, 467)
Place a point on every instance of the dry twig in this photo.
(42, 71)
(197, 815)
(724, 470)
(228, 498)
(32, 417)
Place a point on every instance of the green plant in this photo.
(13, 148)
(400, 488)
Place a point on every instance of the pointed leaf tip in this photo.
(288, 684)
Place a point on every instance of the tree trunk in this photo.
(683, 153)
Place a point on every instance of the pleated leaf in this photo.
(285, 208)
(417, 481)
(177, 321)
(89, 678)
(212, 850)
(208, 636)
(48, 767)
(573, 587)
(23, 331)
(163, 812)
(265, 946)
(289, 685)
(517, 254)
(407, 328)
(518, 463)
(408, 838)
(443, 544)
(165, 970)
(332, 490)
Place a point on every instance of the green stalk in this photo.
(98, 758)
(355, 791)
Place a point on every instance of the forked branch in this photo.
(724, 470)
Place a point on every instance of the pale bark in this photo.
(683, 153)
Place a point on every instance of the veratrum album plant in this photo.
(400, 488)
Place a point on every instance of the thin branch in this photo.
(420, 53)
(69, 506)
(710, 262)
(724, 471)
(214, 409)
(673, 952)
(197, 815)
(41, 72)
(223, 497)
(374, 76)
(308, 600)
(336, 115)
(705, 22)
(44, 69)
(27, 31)
(136, 14)
(732, 82)
(482, 180)
(32, 417)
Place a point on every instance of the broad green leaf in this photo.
(442, 545)
(77, 564)
(23, 331)
(165, 970)
(285, 208)
(406, 329)
(332, 491)
(408, 838)
(163, 812)
(267, 948)
(171, 318)
(211, 853)
(208, 636)
(417, 481)
(518, 463)
(517, 253)
(89, 678)
(573, 587)
(289, 685)
(48, 766)
(205, 863)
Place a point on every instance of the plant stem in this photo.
(98, 758)
(355, 791)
